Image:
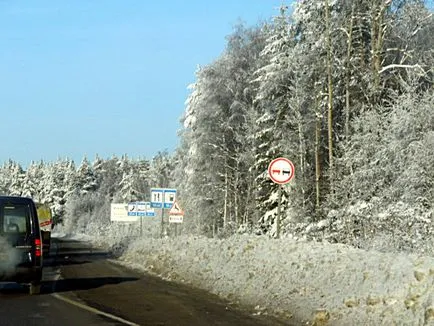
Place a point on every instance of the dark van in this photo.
(20, 242)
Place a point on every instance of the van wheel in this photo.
(35, 287)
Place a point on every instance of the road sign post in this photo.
(140, 209)
(162, 198)
(281, 171)
(176, 216)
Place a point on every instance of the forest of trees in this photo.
(87, 189)
(344, 89)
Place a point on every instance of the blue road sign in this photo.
(157, 197)
(140, 209)
(169, 197)
(162, 198)
(132, 209)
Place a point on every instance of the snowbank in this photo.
(78, 237)
(319, 283)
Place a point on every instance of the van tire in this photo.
(35, 288)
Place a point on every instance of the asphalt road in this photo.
(82, 287)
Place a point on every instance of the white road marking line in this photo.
(57, 277)
(93, 310)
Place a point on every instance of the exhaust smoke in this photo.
(9, 256)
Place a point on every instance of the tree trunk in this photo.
(317, 160)
(348, 74)
(302, 151)
(330, 97)
(225, 207)
(377, 40)
(236, 196)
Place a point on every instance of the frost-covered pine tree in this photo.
(57, 186)
(280, 125)
(32, 180)
(127, 186)
(5, 176)
(108, 174)
(85, 179)
(217, 137)
(161, 170)
(17, 176)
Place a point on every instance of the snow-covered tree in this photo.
(6, 176)
(85, 179)
(32, 181)
(391, 155)
(218, 147)
(17, 176)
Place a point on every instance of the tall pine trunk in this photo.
(318, 118)
(225, 208)
(329, 65)
(348, 73)
(377, 41)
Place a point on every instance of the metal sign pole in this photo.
(158, 195)
(281, 171)
(279, 203)
(162, 220)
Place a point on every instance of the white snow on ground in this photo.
(316, 283)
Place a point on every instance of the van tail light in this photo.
(38, 247)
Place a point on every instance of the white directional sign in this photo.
(281, 170)
(150, 211)
(142, 208)
(176, 219)
(132, 209)
(119, 213)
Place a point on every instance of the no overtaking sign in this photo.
(281, 170)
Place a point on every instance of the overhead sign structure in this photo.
(140, 209)
(162, 197)
(119, 213)
(281, 170)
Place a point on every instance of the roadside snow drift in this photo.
(315, 283)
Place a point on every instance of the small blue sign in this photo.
(156, 205)
(140, 209)
(157, 197)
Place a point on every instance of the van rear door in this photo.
(15, 233)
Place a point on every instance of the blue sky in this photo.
(81, 78)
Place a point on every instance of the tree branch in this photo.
(392, 66)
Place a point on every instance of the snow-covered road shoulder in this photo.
(332, 283)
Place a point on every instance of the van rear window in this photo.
(15, 218)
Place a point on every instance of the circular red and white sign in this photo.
(281, 170)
